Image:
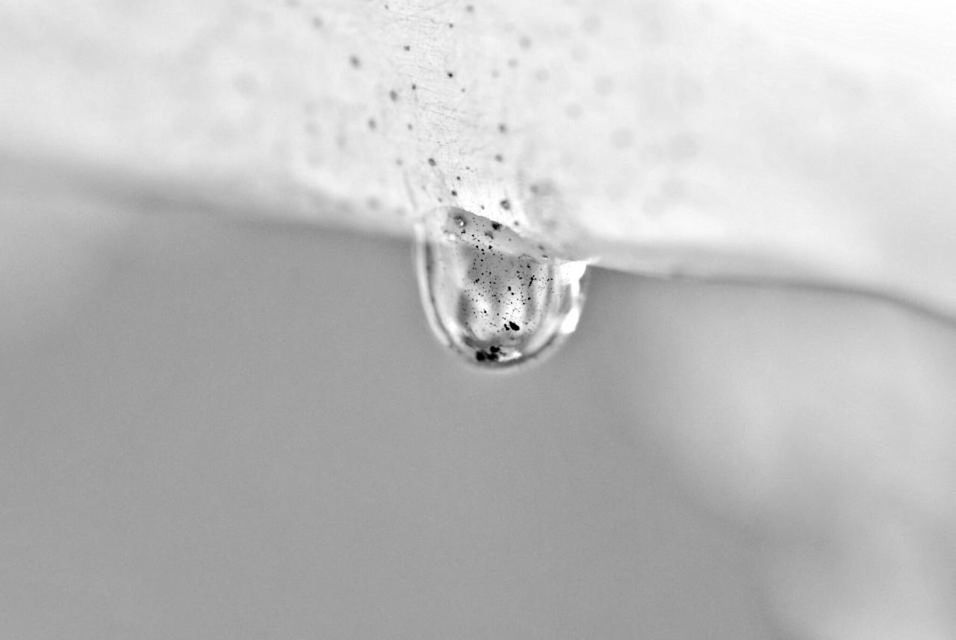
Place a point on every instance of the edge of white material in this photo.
(759, 140)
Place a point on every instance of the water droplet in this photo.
(492, 296)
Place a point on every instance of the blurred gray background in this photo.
(234, 430)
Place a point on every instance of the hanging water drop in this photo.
(492, 296)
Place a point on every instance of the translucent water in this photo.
(494, 297)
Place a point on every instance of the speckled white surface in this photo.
(757, 139)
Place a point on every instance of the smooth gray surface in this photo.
(247, 432)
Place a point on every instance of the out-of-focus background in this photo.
(240, 431)
(221, 429)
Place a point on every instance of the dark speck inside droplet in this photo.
(492, 295)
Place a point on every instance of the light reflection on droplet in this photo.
(492, 296)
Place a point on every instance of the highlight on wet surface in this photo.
(494, 297)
